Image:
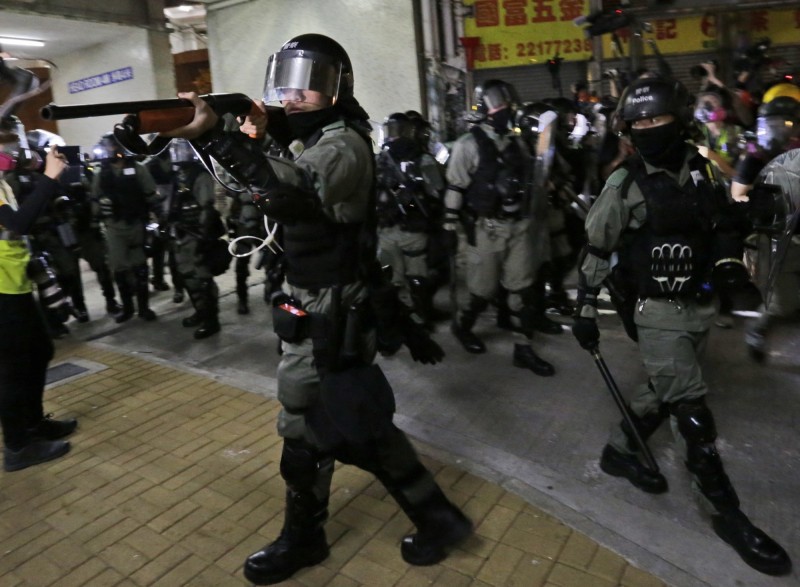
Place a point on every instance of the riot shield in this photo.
(779, 182)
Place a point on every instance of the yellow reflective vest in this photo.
(14, 255)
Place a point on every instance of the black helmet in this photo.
(648, 97)
(422, 128)
(493, 94)
(309, 63)
(396, 126)
(107, 149)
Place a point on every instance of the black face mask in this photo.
(662, 146)
(304, 124)
(501, 121)
(403, 149)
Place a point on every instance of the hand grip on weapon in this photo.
(204, 119)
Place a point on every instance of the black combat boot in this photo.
(696, 425)
(440, 525)
(107, 287)
(301, 543)
(751, 543)
(79, 311)
(123, 279)
(177, 297)
(209, 311)
(462, 326)
(143, 295)
(628, 466)
(525, 358)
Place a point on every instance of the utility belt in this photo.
(334, 345)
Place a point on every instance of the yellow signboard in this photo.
(525, 32)
(699, 33)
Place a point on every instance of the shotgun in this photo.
(152, 116)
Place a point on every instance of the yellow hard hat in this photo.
(784, 90)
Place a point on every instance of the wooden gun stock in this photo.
(152, 116)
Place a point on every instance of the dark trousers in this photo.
(25, 350)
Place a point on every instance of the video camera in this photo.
(753, 57)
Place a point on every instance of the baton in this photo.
(623, 407)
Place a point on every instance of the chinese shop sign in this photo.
(699, 33)
(524, 32)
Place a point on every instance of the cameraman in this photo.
(30, 436)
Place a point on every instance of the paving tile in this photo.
(174, 480)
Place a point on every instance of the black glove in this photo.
(422, 347)
(586, 332)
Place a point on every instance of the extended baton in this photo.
(623, 407)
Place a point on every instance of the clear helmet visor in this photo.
(396, 129)
(496, 97)
(106, 150)
(180, 151)
(302, 76)
(774, 132)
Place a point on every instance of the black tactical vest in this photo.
(128, 201)
(498, 184)
(400, 199)
(671, 254)
(326, 253)
(189, 210)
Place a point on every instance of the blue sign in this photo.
(101, 79)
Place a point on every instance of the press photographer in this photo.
(30, 437)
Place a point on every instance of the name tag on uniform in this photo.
(129, 171)
(697, 177)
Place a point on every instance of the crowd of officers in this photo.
(520, 230)
(528, 194)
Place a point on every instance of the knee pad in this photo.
(695, 421)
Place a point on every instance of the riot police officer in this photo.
(409, 185)
(662, 211)
(124, 193)
(336, 402)
(778, 125)
(489, 190)
(193, 221)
